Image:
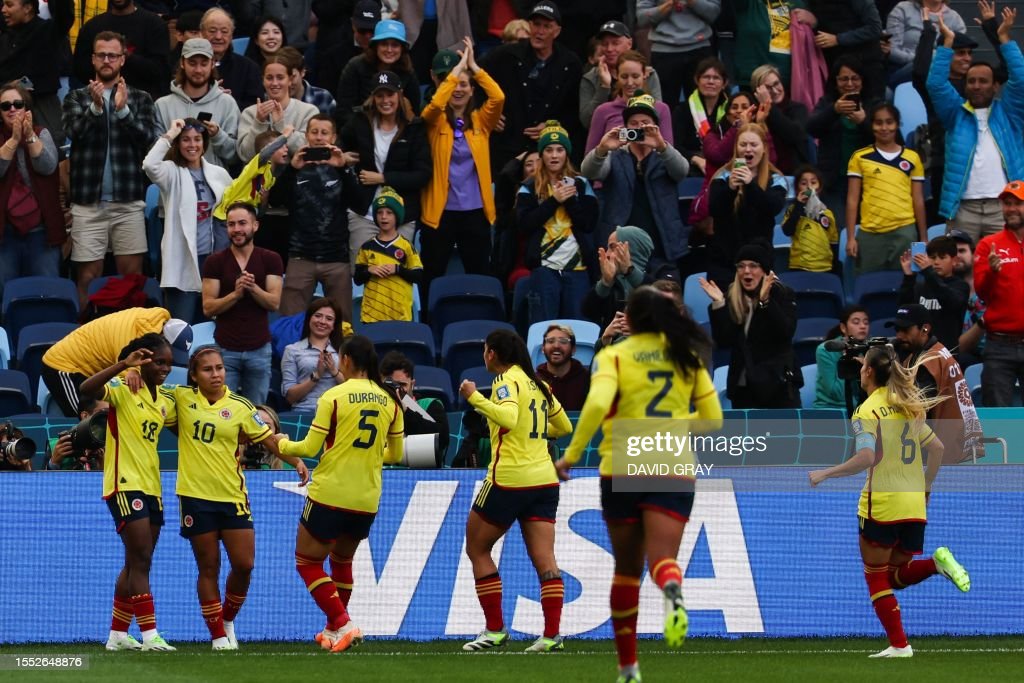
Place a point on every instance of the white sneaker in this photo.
(893, 652)
(122, 641)
(221, 644)
(157, 644)
(229, 631)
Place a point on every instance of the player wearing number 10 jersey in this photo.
(655, 373)
(521, 484)
(360, 426)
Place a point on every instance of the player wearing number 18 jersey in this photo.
(892, 440)
(521, 484)
(360, 426)
(655, 373)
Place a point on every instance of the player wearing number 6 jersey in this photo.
(131, 480)
(211, 487)
(360, 426)
(521, 484)
(655, 373)
(892, 441)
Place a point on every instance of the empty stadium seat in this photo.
(818, 295)
(464, 297)
(462, 345)
(154, 225)
(911, 106)
(30, 300)
(810, 332)
(436, 383)
(15, 393)
(695, 299)
(178, 375)
(33, 342)
(720, 379)
(587, 336)
(5, 350)
(415, 340)
(202, 334)
(878, 292)
(481, 376)
(810, 373)
(936, 231)
(878, 328)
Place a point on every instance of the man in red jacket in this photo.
(999, 281)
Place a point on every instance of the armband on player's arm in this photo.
(865, 440)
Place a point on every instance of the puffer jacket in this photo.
(1006, 121)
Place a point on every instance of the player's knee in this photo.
(550, 574)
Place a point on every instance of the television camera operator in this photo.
(422, 416)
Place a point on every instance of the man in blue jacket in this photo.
(984, 134)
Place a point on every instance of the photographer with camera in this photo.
(422, 416)
(837, 380)
(81, 447)
(16, 451)
(954, 421)
(255, 456)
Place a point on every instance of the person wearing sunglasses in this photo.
(33, 223)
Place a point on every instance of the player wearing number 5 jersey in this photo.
(211, 487)
(655, 373)
(892, 441)
(521, 484)
(131, 480)
(360, 426)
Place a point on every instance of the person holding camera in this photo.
(830, 388)
(255, 456)
(131, 480)
(65, 452)
(640, 172)
(309, 367)
(16, 452)
(422, 416)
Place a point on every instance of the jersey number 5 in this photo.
(666, 378)
(367, 430)
(909, 449)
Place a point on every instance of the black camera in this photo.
(255, 457)
(631, 134)
(88, 438)
(15, 445)
(848, 367)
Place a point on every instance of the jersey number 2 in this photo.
(365, 426)
(666, 378)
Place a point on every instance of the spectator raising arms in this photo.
(598, 84)
(557, 210)
(310, 366)
(280, 109)
(458, 202)
(190, 187)
(623, 268)
(388, 51)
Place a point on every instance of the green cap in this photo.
(554, 134)
(389, 199)
(444, 62)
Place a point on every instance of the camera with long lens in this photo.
(88, 438)
(14, 445)
(848, 366)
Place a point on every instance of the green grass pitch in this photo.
(803, 660)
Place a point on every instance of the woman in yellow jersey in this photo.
(654, 374)
(361, 423)
(891, 434)
(211, 487)
(521, 484)
(131, 480)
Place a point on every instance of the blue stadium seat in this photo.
(202, 334)
(911, 106)
(810, 332)
(15, 393)
(810, 373)
(689, 187)
(30, 300)
(936, 231)
(5, 350)
(357, 305)
(33, 342)
(154, 225)
(878, 328)
(177, 376)
(818, 295)
(878, 292)
(240, 45)
(972, 375)
(780, 239)
(720, 379)
(415, 340)
(436, 383)
(47, 406)
(464, 297)
(719, 357)
(695, 299)
(587, 335)
(462, 345)
(152, 287)
(483, 379)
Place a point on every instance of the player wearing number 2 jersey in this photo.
(655, 373)
(131, 480)
(521, 484)
(360, 426)
(892, 440)
(211, 487)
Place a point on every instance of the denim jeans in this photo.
(1003, 368)
(21, 256)
(556, 293)
(248, 372)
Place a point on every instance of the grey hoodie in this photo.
(678, 31)
(178, 105)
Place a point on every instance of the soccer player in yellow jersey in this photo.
(655, 373)
(359, 424)
(131, 480)
(211, 487)
(521, 484)
(892, 440)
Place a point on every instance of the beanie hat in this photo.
(554, 134)
(640, 103)
(756, 252)
(389, 199)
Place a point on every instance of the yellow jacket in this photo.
(97, 344)
(441, 137)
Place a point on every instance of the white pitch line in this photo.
(588, 653)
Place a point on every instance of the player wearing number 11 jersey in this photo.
(360, 426)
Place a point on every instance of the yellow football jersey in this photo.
(886, 193)
(387, 298)
(207, 441)
(360, 427)
(521, 421)
(636, 379)
(131, 462)
(894, 489)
